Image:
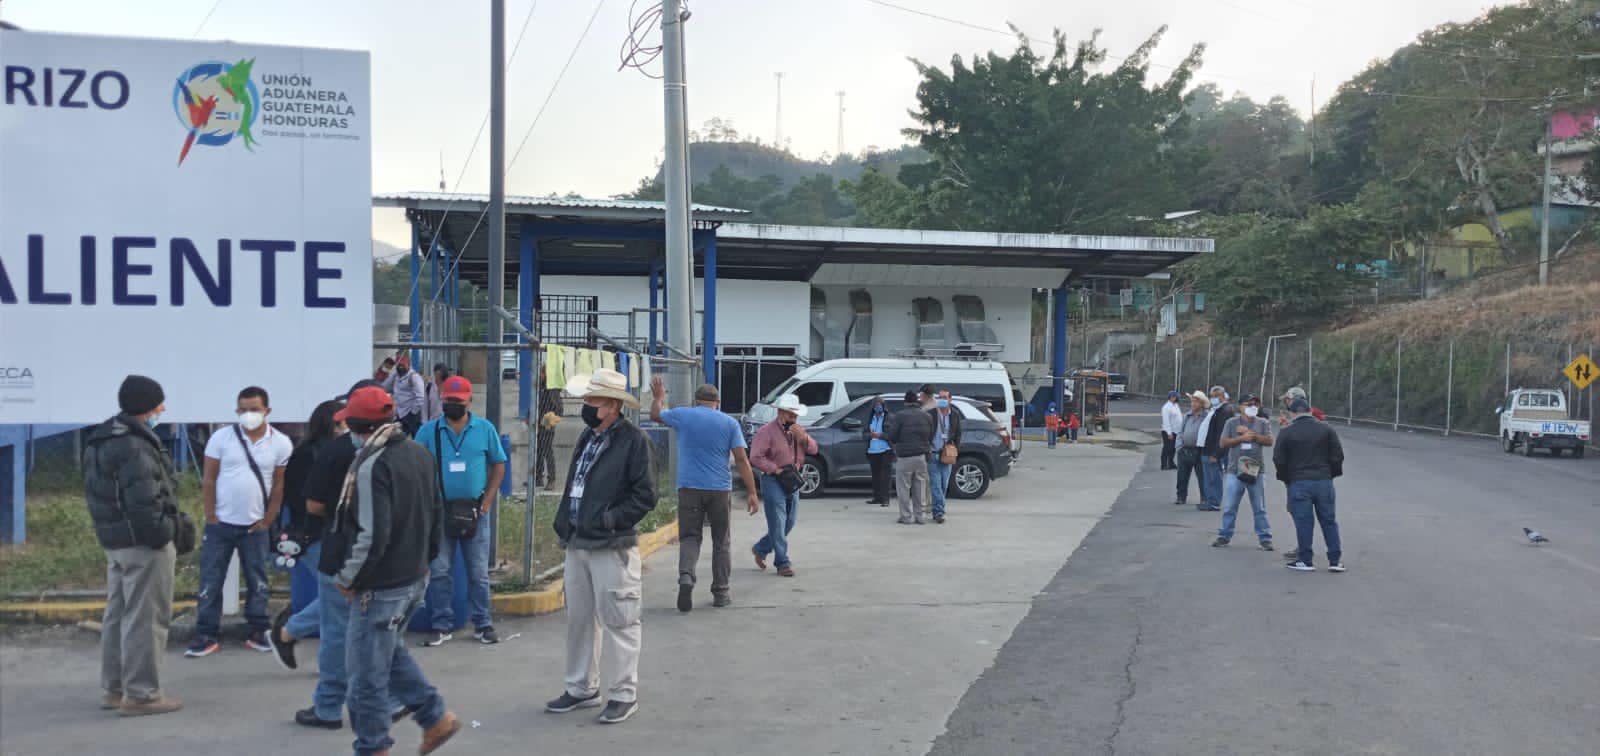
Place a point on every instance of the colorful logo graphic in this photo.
(216, 102)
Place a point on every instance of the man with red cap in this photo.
(383, 534)
(468, 465)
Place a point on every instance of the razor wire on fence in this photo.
(1443, 386)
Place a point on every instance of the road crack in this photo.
(1131, 689)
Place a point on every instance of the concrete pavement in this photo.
(1450, 634)
(868, 651)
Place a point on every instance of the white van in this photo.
(827, 386)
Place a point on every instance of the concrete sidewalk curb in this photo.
(553, 599)
(526, 604)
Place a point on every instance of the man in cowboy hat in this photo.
(780, 444)
(610, 488)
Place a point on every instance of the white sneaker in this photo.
(1301, 567)
(1336, 567)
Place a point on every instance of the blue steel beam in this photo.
(1058, 357)
(416, 300)
(707, 241)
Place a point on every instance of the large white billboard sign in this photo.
(198, 212)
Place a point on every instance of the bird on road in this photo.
(1533, 535)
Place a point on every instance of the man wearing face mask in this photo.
(1211, 454)
(610, 488)
(779, 450)
(471, 462)
(242, 488)
(129, 484)
(878, 455)
(946, 433)
(410, 395)
(1243, 439)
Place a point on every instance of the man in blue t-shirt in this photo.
(705, 438)
(471, 463)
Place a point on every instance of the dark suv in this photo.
(841, 456)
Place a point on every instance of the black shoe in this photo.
(939, 520)
(281, 649)
(568, 702)
(1266, 545)
(309, 718)
(1219, 543)
(720, 600)
(486, 635)
(685, 597)
(436, 638)
(1179, 503)
(883, 503)
(617, 712)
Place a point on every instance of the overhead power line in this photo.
(207, 19)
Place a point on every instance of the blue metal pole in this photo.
(655, 296)
(13, 484)
(416, 296)
(527, 297)
(709, 350)
(1058, 357)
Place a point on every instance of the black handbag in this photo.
(460, 515)
(789, 479)
(185, 536)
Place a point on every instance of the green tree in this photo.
(1030, 142)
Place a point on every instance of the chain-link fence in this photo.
(1448, 387)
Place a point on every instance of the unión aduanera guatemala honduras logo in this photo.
(216, 102)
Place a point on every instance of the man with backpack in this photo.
(242, 489)
(469, 463)
(128, 482)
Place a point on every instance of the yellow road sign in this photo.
(1582, 372)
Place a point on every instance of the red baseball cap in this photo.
(456, 387)
(404, 360)
(368, 403)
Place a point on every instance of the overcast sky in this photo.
(602, 129)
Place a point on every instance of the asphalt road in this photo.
(1450, 634)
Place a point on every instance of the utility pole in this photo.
(777, 129)
(1544, 220)
(840, 151)
(497, 223)
(680, 261)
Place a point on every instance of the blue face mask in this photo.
(944, 402)
(153, 420)
(355, 440)
(1215, 401)
(877, 409)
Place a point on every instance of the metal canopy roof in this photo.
(623, 237)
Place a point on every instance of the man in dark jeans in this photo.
(384, 534)
(879, 457)
(1308, 457)
(1189, 443)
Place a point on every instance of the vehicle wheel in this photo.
(1505, 443)
(812, 478)
(1527, 447)
(969, 479)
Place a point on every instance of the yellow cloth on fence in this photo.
(608, 360)
(588, 361)
(555, 366)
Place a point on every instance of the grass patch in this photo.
(547, 551)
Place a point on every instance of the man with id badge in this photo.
(470, 463)
(1242, 439)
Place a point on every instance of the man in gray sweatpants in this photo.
(128, 481)
(910, 433)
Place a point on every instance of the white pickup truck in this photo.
(1537, 419)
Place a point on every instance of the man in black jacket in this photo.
(128, 482)
(946, 432)
(610, 488)
(1213, 459)
(910, 433)
(385, 532)
(1308, 457)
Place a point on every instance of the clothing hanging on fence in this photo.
(608, 360)
(622, 367)
(570, 356)
(588, 361)
(555, 366)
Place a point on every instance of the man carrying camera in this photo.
(779, 450)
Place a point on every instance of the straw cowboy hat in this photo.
(606, 384)
(1201, 395)
(790, 403)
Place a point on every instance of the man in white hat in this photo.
(778, 451)
(610, 488)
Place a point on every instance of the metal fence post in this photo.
(1397, 354)
(1241, 363)
(1208, 360)
(1350, 418)
(1449, 384)
(1507, 392)
(1311, 366)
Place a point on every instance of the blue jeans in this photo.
(333, 685)
(938, 482)
(1234, 491)
(382, 670)
(1310, 504)
(781, 509)
(442, 590)
(308, 621)
(1210, 482)
(217, 547)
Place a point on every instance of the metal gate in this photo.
(568, 320)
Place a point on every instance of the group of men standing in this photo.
(920, 439)
(1223, 446)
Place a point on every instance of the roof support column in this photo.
(1058, 352)
(708, 357)
(416, 293)
(527, 300)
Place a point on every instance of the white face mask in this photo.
(1252, 411)
(252, 420)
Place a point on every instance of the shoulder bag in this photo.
(460, 515)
